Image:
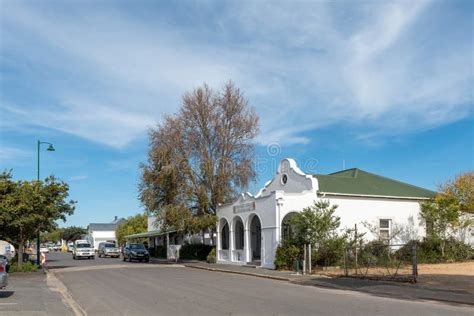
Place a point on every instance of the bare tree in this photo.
(200, 157)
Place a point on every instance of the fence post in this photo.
(309, 258)
(304, 259)
(345, 265)
(356, 259)
(414, 264)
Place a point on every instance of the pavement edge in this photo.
(55, 284)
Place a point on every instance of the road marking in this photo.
(8, 303)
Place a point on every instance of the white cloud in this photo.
(79, 177)
(12, 153)
(107, 75)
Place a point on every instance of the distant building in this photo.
(251, 228)
(171, 239)
(100, 232)
(6, 249)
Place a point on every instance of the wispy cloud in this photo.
(79, 177)
(107, 74)
(12, 153)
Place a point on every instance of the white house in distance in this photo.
(251, 228)
(100, 232)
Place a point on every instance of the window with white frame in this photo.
(384, 229)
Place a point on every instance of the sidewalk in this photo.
(29, 294)
(378, 288)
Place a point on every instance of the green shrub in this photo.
(286, 256)
(429, 251)
(25, 267)
(211, 257)
(195, 251)
(329, 253)
(158, 252)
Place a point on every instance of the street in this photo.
(113, 287)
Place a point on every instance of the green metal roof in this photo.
(359, 182)
(151, 233)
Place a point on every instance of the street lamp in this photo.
(50, 148)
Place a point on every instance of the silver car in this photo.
(108, 249)
(3, 272)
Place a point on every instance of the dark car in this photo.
(135, 252)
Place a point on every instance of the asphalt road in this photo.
(55, 260)
(110, 287)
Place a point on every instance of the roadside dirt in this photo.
(453, 276)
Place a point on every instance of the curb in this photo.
(263, 276)
(57, 285)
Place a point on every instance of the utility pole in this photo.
(50, 148)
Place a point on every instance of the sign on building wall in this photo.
(246, 207)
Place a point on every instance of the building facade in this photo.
(250, 229)
(101, 232)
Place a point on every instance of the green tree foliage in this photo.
(461, 189)
(72, 233)
(29, 207)
(52, 236)
(443, 219)
(315, 224)
(199, 158)
(133, 225)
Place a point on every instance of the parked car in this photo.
(135, 252)
(44, 249)
(70, 247)
(108, 249)
(3, 273)
(7, 260)
(82, 248)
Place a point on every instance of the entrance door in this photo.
(256, 238)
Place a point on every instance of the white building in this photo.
(100, 232)
(251, 228)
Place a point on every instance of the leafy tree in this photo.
(315, 224)
(52, 236)
(442, 216)
(199, 158)
(72, 233)
(462, 190)
(27, 208)
(133, 225)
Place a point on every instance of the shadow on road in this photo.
(5, 294)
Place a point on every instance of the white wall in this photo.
(277, 199)
(101, 236)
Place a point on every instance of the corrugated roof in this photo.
(102, 226)
(149, 234)
(359, 182)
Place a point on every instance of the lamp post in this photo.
(50, 148)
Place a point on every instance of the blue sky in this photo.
(383, 86)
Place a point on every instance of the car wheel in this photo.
(124, 258)
(130, 259)
(147, 260)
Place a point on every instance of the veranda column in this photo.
(231, 245)
(246, 245)
(218, 242)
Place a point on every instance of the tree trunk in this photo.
(20, 253)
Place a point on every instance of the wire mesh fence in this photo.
(395, 262)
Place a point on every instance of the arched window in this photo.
(225, 237)
(286, 230)
(239, 234)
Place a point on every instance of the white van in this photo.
(84, 249)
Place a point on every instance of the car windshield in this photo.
(137, 246)
(83, 245)
(109, 245)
